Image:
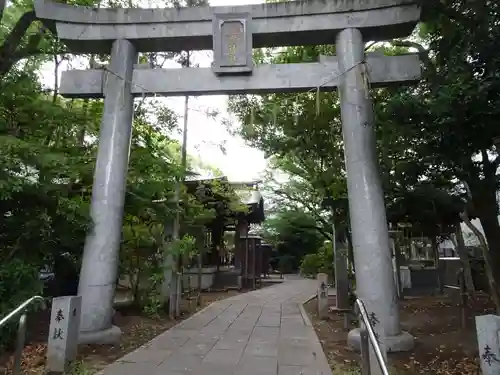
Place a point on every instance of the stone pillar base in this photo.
(109, 336)
(403, 342)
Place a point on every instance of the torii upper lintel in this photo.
(311, 22)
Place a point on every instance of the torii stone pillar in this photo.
(101, 252)
(370, 235)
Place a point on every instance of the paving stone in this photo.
(292, 309)
(261, 349)
(214, 369)
(248, 317)
(212, 332)
(176, 333)
(223, 357)
(130, 368)
(246, 323)
(271, 340)
(253, 365)
(196, 325)
(295, 342)
(226, 344)
(271, 311)
(206, 338)
(291, 331)
(197, 348)
(147, 355)
(179, 363)
(237, 333)
(269, 320)
(295, 356)
(224, 320)
(166, 343)
(249, 334)
(292, 320)
(298, 370)
(265, 332)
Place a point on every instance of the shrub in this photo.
(319, 262)
(18, 282)
(285, 264)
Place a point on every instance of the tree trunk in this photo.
(483, 195)
(489, 222)
(458, 241)
(488, 265)
(9, 52)
(486, 209)
(2, 7)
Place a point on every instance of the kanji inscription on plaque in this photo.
(232, 44)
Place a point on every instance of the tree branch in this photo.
(2, 7)
(422, 52)
(311, 209)
(9, 54)
(467, 190)
(322, 231)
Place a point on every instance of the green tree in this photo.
(293, 234)
(436, 137)
(48, 147)
(451, 115)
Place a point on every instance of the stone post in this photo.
(397, 267)
(488, 333)
(322, 294)
(169, 275)
(63, 333)
(100, 258)
(372, 255)
(341, 278)
(341, 273)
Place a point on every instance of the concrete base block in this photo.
(403, 342)
(110, 336)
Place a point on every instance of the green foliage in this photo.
(80, 368)
(433, 138)
(42, 203)
(22, 278)
(48, 147)
(286, 264)
(293, 234)
(319, 262)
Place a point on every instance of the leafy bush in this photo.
(285, 264)
(319, 262)
(18, 282)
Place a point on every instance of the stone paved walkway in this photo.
(264, 332)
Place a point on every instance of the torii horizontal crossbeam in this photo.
(304, 22)
(382, 70)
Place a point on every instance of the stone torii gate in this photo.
(232, 32)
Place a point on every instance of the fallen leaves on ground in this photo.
(442, 347)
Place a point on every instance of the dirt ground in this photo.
(442, 347)
(136, 327)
